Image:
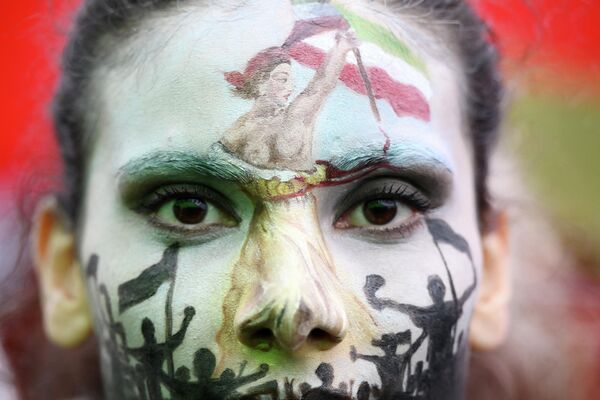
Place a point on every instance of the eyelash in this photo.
(152, 203)
(404, 193)
(163, 194)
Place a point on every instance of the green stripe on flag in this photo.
(381, 36)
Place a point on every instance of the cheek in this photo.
(141, 283)
(406, 268)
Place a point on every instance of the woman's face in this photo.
(208, 274)
(279, 85)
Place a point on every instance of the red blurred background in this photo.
(560, 36)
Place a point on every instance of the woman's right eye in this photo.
(192, 212)
(189, 208)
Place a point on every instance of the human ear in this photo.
(66, 315)
(489, 324)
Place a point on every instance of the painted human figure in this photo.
(123, 373)
(152, 354)
(326, 391)
(274, 134)
(205, 387)
(364, 391)
(113, 335)
(438, 320)
(392, 367)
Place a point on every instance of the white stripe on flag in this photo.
(373, 55)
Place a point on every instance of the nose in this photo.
(295, 298)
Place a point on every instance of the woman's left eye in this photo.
(383, 206)
(377, 213)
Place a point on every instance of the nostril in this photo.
(262, 334)
(323, 339)
(319, 334)
(261, 339)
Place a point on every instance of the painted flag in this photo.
(395, 74)
(147, 283)
(443, 233)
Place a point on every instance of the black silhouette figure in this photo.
(152, 354)
(123, 374)
(183, 374)
(144, 380)
(438, 320)
(304, 388)
(326, 391)
(288, 386)
(392, 367)
(140, 384)
(414, 380)
(270, 388)
(205, 387)
(112, 335)
(364, 391)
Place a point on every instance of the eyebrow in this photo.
(163, 166)
(420, 165)
(169, 162)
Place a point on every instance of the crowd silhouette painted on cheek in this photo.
(147, 372)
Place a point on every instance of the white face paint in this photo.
(252, 186)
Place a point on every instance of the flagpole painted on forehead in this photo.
(367, 82)
(365, 77)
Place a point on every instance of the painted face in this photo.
(279, 85)
(326, 248)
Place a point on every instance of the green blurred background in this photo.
(557, 139)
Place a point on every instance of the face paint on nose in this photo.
(285, 296)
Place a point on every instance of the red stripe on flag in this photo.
(406, 100)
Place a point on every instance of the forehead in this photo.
(166, 87)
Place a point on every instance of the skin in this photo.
(276, 272)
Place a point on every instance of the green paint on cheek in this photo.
(382, 37)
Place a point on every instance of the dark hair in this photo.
(478, 55)
(99, 19)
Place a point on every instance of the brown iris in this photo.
(190, 211)
(380, 211)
